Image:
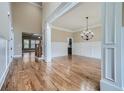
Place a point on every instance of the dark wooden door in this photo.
(70, 47)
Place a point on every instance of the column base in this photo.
(107, 86)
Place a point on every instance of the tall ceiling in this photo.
(39, 3)
(75, 18)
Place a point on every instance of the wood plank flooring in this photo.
(63, 73)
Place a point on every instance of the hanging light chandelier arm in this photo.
(87, 23)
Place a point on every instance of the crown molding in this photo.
(90, 27)
(77, 30)
(61, 29)
(35, 4)
(60, 10)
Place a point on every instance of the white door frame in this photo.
(111, 44)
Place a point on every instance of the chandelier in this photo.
(87, 34)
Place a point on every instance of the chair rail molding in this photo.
(112, 48)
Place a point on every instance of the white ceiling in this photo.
(75, 18)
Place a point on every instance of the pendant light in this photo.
(87, 34)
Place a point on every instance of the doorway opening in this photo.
(70, 47)
(83, 53)
(31, 44)
(111, 38)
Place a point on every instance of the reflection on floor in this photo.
(28, 57)
(63, 73)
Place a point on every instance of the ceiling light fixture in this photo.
(87, 34)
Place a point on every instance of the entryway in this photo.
(69, 46)
(32, 42)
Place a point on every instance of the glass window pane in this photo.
(32, 43)
(26, 43)
(37, 41)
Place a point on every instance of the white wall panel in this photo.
(59, 49)
(112, 48)
(88, 49)
(5, 41)
(3, 59)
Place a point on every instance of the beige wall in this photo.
(123, 15)
(26, 18)
(48, 8)
(97, 32)
(60, 36)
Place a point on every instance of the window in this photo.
(29, 44)
(32, 43)
(26, 43)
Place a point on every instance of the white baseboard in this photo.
(88, 57)
(39, 58)
(107, 86)
(48, 60)
(15, 56)
(2, 79)
(59, 56)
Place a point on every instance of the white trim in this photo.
(34, 4)
(2, 79)
(106, 86)
(122, 58)
(112, 60)
(77, 30)
(90, 27)
(60, 10)
(39, 58)
(16, 56)
(62, 29)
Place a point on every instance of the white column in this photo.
(112, 57)
(43, 41)
(47, 43)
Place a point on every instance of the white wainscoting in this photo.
(88, 49)
(3, 60)
(59, 49)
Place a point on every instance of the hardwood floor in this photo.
(63, 73)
